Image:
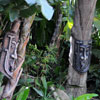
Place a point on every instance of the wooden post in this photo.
(84, 13)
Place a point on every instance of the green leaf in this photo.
(70, 24)
(1, 89)
(44, 82)
(37, 82)
(23, 94)
(97, 23)
(50, 83)
(96, 53)
(28, 12)
(1, 8)
(26, 81)
(46, 9)
(4, 2)
(38, 19)
(13, 14)
(86, 97)
(67, 29)
(38, 92)
(30, 2)
(4, 99)
(1, 77)
(41, 33)
(98, 5)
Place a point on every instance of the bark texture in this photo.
(24, 38)
(84, 13)
(57, 29)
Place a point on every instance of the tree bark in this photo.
(84, 13)
(24, 38)
(57, 29)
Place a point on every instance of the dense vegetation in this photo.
(46, 62)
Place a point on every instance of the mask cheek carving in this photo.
(10, 51)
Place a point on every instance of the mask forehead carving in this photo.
(82, 55)
(9, 54)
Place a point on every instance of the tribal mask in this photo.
(82, 55)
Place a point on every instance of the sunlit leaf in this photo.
(4, 99)
(67, 29)
(23, 94)
(97, 23)
(30, 2)
(70, 25)
(46, 9)
(86, 97)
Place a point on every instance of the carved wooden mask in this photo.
(82, 55)
(9, 53)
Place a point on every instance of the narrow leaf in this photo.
(26, 93)
(44, 82)
(37, 82)
(38, 92)
(23, 94)
(86, 97)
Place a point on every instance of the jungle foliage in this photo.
(46, 66)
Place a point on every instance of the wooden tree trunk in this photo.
(84, 13)
(24, 37)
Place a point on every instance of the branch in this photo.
(57, 28)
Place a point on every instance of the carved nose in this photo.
(84, 56)
(14, 55)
